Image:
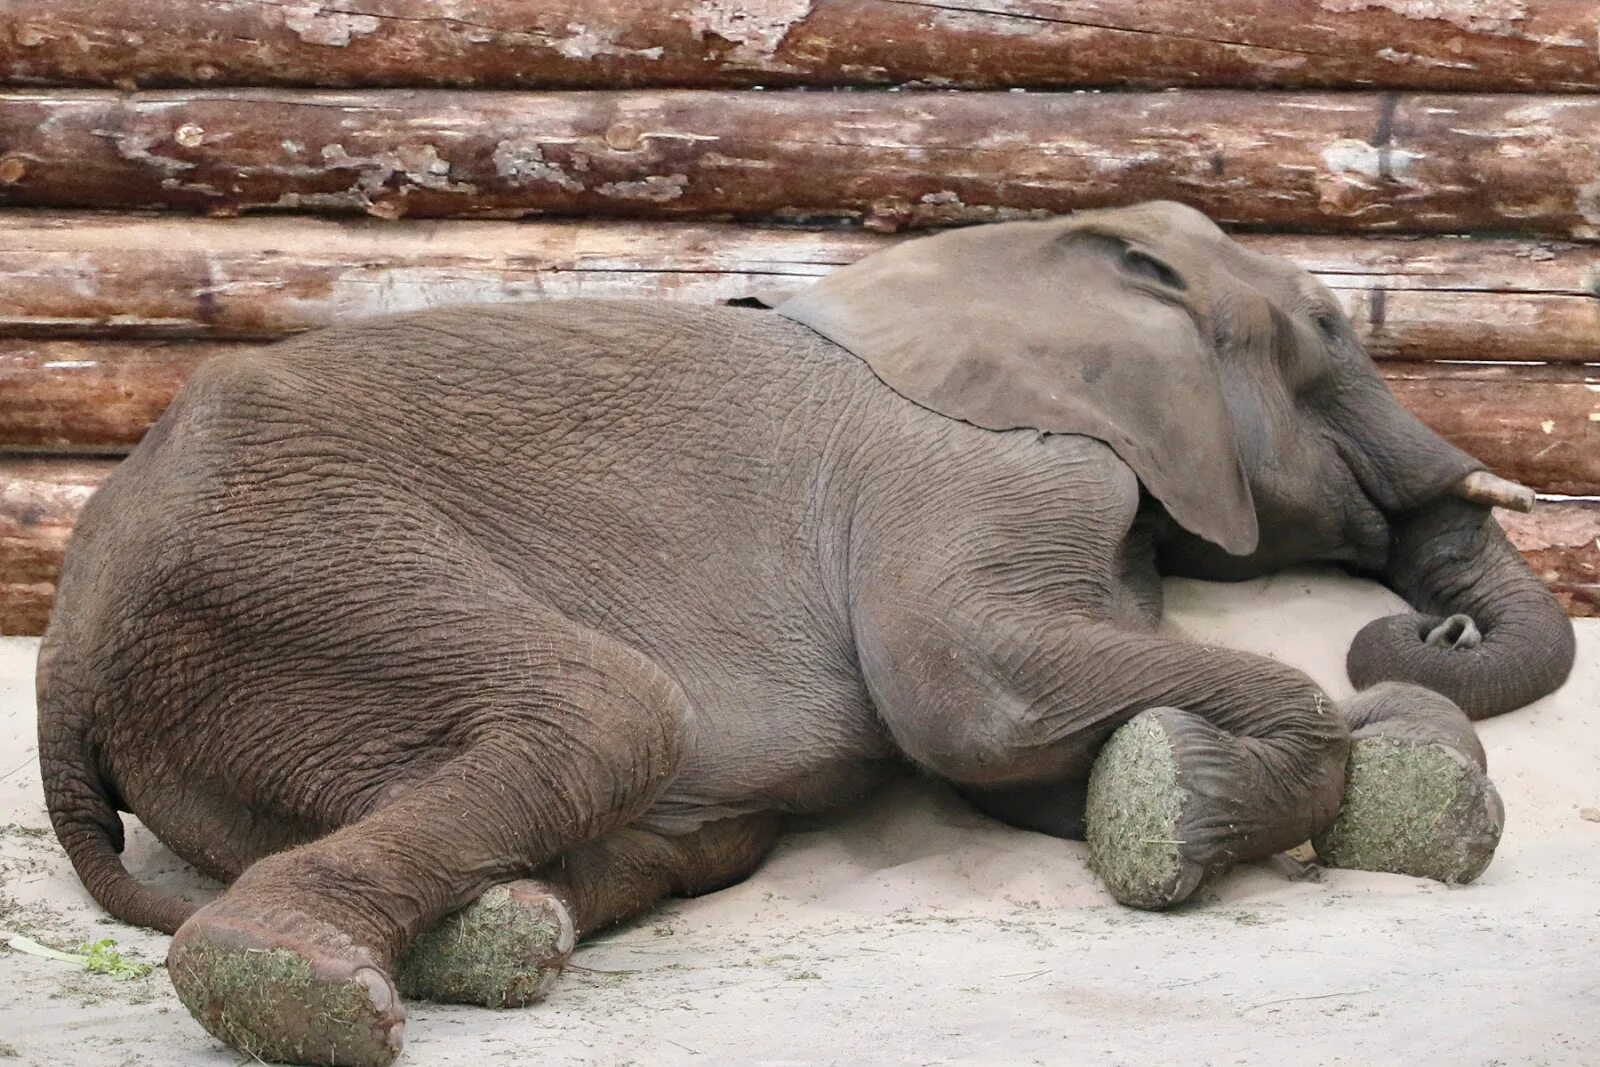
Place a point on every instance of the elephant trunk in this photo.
(1486, 632)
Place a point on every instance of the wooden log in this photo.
(594, 44)
(1412, 299)
(1364, 162)
(1459, 299)
(265, 277)
(89, 396)
(1537, 425)
(1561, 542)
(40, 500)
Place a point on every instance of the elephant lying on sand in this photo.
(453, 636)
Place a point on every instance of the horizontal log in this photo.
(40, 500)
(1561, 542)
(265, 277)
(1410, 299)
(1345, 162)
(1538, 425)
(1459, 298)
(1530, 45)
(89, 396)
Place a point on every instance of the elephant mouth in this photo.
(1367, 522)
(1372, 527)
(1380, 499)
(1366, 547)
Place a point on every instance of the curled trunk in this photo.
(1486, 633)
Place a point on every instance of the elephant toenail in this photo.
(567, 937)
(379, 992)
(1495, 809)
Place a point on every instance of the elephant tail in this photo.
(80, 800)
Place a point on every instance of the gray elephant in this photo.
(448, 638)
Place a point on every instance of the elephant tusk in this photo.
(1493, 491)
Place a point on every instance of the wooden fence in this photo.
(1437, 164)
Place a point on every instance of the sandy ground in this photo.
(914, 931)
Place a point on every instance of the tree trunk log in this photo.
(1319, 162)
(595, 44)
(1423, 299)
(89, 396)
(1561, 542)
(39, 503)
(1459, 299)
(1536, 425)
(40, 500)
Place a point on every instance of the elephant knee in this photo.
(995, 749)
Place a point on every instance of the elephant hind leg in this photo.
(293, 961)
(504, 949)
(624, 874)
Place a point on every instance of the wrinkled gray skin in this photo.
(592, 589)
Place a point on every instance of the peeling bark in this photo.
(262, 278)
(1530, 45)
(40, 500)
(1358, 162)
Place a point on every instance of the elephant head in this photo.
(1235, 388)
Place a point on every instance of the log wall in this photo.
(1437, 165)
(39, 502)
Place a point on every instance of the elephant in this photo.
(446, 638)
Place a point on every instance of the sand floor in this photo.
(914, 931)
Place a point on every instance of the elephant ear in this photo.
(1054, 326)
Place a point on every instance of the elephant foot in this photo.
(1423, 809)
(1418, 799)
(501, 951)
(1135, 815)
(281, 998)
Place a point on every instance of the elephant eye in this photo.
(1330, 327)
(1148, 266)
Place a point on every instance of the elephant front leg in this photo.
(1221, 756)
(1419, 800)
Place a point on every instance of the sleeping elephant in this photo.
(447, 638)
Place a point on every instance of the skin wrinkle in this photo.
(391, 612)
